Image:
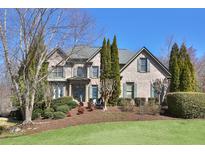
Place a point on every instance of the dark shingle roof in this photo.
(85, 52)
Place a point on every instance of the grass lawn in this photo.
(139, 132)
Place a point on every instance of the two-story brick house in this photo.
(79, 76)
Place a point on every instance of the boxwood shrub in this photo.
(59, 115)
(67, 100)
(62, 108)
(48, 115)
(122, 101)
(37, 113)
(140, 101)
(186, 104)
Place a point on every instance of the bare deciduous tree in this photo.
(107, 87)
(19, 30)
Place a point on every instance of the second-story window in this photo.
(80, 72)
(143, 64)
(57, 72)
(95, 71)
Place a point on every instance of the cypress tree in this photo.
(103, 60)
(186, 70)
(108, 58)
(115, 68)
(174, 69)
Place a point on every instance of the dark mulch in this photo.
(96, 116)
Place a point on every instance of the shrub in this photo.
(186, 104)
(62, 108)
(59, 115)
(37, 113)
(49, 110)
(72, 104)
(140, 101)
(121, 101)
(48, 115)
(152, 108)
(152, 100)
(61, 101)
(127, 104)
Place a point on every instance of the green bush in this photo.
(72, 104)
(37, 113)
(186, 104)
(61, 101)
(62, 108)
(48, 115)
(59, 115)
(140, 101)
(49, 110)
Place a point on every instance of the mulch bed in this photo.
(113, 114)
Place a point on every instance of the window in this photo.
(80, 72)
(58, 91)
(57, 72)
(130, 90)
(95, 70)
(94, 91)
(143, 64)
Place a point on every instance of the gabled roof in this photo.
(125, 56)
(144, 49)
(59, 50)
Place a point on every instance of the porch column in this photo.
(69, 89)
(86, 93)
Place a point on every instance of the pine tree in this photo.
(174, 69)
(115, 67)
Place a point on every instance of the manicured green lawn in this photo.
(139, 132)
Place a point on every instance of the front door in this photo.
(79, 92)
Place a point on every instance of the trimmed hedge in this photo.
(140, 101)
(186, 104)
(121, 101)
(62, 108)
(59, 115)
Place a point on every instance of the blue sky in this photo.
(151, 27)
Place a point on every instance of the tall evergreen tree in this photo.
(103, 60)
(174, 69)
(115, 67)
(108, 58)
(187, 74)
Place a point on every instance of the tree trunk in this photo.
(105, 104)
(28, 115)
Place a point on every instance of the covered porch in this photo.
(78, 88)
